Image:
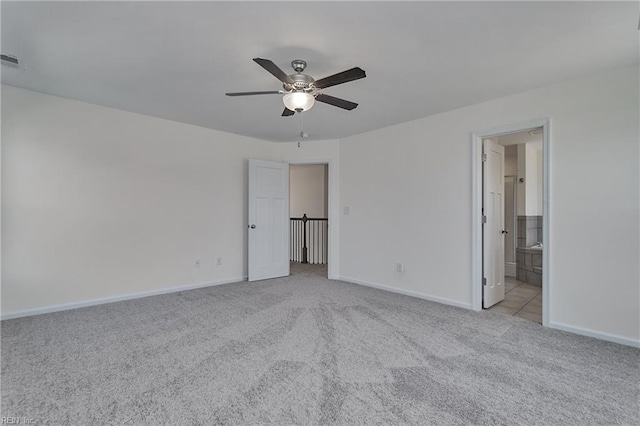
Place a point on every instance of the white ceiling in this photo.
(534, 139)
(176, 60)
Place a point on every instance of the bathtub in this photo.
(529, 265)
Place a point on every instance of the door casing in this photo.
(476, 210)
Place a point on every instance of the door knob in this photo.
(505, 231)
(252, 226)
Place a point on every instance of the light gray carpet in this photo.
(303, 350)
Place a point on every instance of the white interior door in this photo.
(268, 219)
(493, 229)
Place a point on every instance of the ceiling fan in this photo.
(301, 90)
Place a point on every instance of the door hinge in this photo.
(484, 158)
(484, 281)
(484, 219)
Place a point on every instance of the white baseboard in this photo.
(596, 334)
(111, 299)
(56, 308)
(407, 293)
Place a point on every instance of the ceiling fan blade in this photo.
(270, 92)
(273, 69)
(287, 112)
(340, 103)
(342, 77)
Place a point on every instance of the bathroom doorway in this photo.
(511, 199)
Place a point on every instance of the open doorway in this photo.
(511, 257)
(309, 219)
(522, 228)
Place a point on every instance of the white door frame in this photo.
(333, 272)
(476, 216)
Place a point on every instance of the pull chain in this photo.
(301, 128)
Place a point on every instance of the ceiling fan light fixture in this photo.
(298, 101)
(301, 91)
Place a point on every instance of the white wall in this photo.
(98, 202)
(530, 171)
(412, 184)
(511, 160)
(308, 190)
(531, 181)
(523, 158)
(521, 192)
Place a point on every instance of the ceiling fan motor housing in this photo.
(298, 65)
(300, 82)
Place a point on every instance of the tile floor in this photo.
(520, 300)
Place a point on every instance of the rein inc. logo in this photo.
(16, 421)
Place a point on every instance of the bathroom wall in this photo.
(510, 160)
(529, 230)
(523, 157)
(529, 261)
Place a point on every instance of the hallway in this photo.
(308, 269)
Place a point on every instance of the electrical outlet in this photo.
(219, 261)
(197, 263)
(399, 267)
(346, 210)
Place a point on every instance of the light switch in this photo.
(346, 210)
